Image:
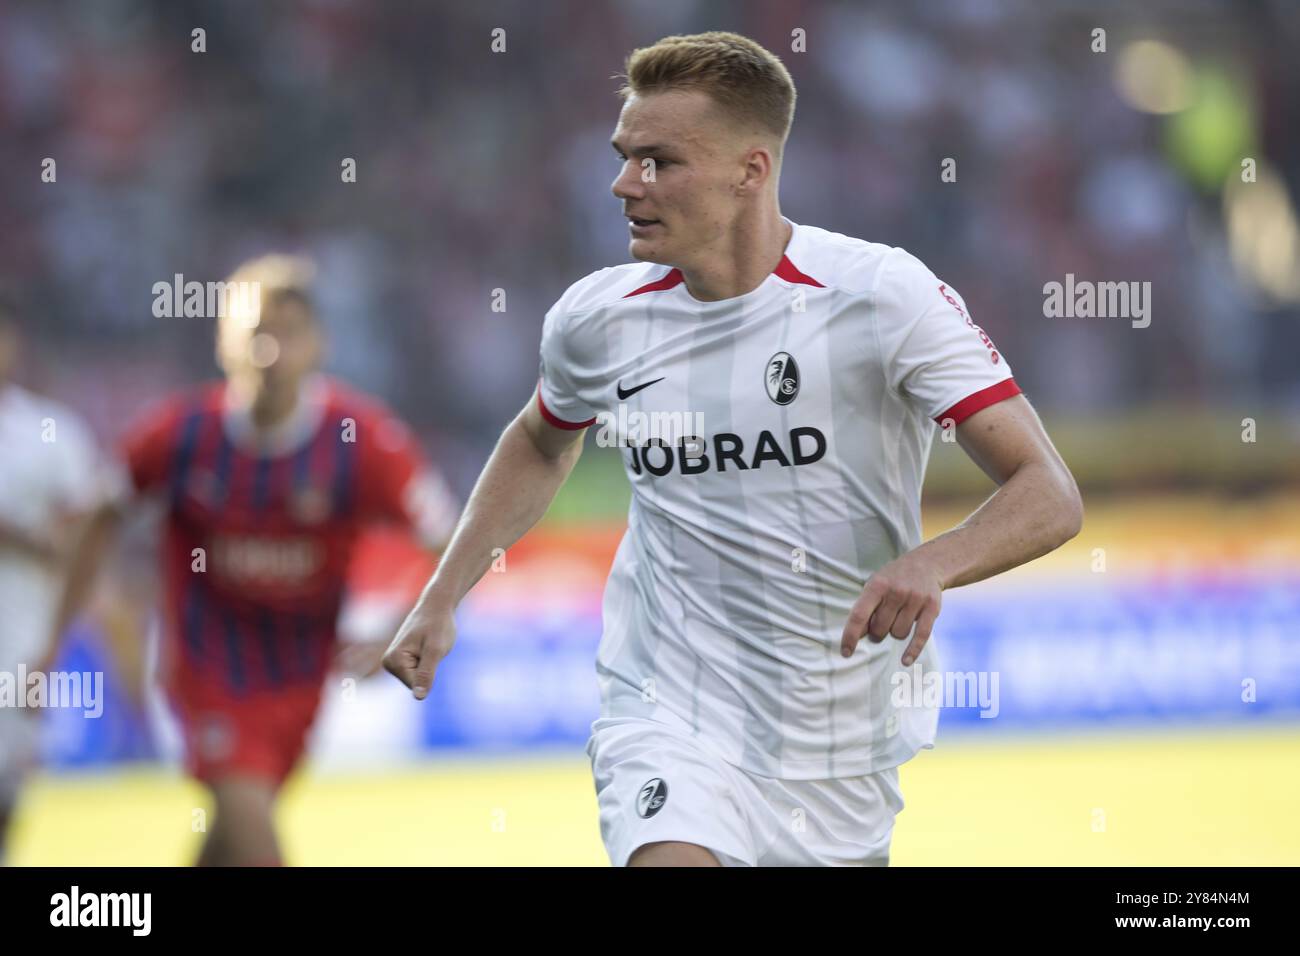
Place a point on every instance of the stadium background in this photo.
(1125, 731)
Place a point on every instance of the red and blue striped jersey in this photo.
(260, 529)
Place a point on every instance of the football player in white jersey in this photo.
(51, 478)
(774, 390)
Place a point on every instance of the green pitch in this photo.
(1223, 797)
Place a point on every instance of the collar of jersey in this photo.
(288, 436)
(785, 270)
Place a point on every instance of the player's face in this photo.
(277, 352)
(691, 203)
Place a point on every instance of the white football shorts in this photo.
(656, 783)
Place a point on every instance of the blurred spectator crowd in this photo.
(480, 170)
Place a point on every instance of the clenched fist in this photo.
(423, 640)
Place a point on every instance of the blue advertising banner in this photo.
(1068, 655)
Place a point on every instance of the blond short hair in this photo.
(279, 277)
(744, 78)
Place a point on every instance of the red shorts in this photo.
(262, 734)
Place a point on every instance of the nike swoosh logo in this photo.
(627, 393)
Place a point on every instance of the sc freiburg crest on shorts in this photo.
(782, 378)
(653, 795)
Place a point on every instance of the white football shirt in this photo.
(50, 472)
(776, 443)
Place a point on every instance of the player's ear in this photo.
(758, 169)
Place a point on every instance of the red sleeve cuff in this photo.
(555, 420)
(976, 401)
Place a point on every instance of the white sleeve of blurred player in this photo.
(934, 354)
(51, 474)
(57, 469)
(88, 477)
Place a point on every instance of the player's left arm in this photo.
(944, 366)
(1036, 509)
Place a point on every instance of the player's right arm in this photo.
(146, 454)
(33, 545)
(96, 536)
(531, 461)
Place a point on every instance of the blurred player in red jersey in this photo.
(266, 480)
